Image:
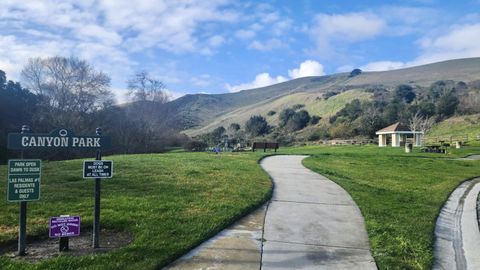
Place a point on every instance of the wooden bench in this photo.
(264, 146)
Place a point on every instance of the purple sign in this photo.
(64, 226)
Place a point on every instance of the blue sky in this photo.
(220, 46)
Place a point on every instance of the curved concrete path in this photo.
(457, 232)
(311, 222)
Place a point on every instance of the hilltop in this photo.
(201, 113)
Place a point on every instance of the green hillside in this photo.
(467, 127)
(314, 104)
(201, 113)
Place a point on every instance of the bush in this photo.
(329, 94)
(195, 146)
(257, 126)
(270, 113)
(342, 131)
(285, 115)
(355, 72)
(313, 137)
(298, 106)
(314, 120)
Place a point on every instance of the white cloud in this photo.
(349, 26)
(268, 45)
(107, 33)
(245, 34)
(382, 65)
(459, 42)
(307, 68)
(216, 41)
(261, 80)
(346, 28)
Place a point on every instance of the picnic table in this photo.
(434, 149)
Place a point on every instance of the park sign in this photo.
(64, 226)
(24, 180)
(97, 168)
(57, 139)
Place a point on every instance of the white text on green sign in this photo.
(24, 179)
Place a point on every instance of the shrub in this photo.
(298, 106)
(285, 115)
(355, 72)
(257, 125)
(195, 146)
(329, 94)
(315, 119)
(298, 121)
(270, 113)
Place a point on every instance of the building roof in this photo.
(396, 128)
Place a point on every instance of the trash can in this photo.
(408, 147)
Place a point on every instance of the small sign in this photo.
(64, 226)
(97, 168)
(24, 179)
(60, 138)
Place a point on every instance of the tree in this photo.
(285, 115)
(418, 122)
(143, 87)
(370, 121)
(355, 72)
(234, 127)
(298, 121)
(351, 111)
(17, 107)
(404, 93)
(447, 103)
(70, 88)
(257, 126)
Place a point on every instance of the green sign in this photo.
(57, 139)
(24, 179)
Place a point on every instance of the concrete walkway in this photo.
(238, 247)
(457, 232)
(310, 223)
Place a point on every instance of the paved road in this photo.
(311, 222)
(457, 232)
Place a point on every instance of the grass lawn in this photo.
(399, 194)
(169, 202)
(172, 202)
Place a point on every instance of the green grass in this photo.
(172, 202)
(399, 194)
(467, 126)
(169, 202)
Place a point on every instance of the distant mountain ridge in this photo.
(200, 113)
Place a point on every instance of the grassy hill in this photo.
(457, 127)
(201, 113)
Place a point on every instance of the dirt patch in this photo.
(41, 249)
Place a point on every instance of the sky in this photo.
(220, 46)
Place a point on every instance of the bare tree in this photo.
(143, 87)
(70, 84)
(70, 87)
(418, 122)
